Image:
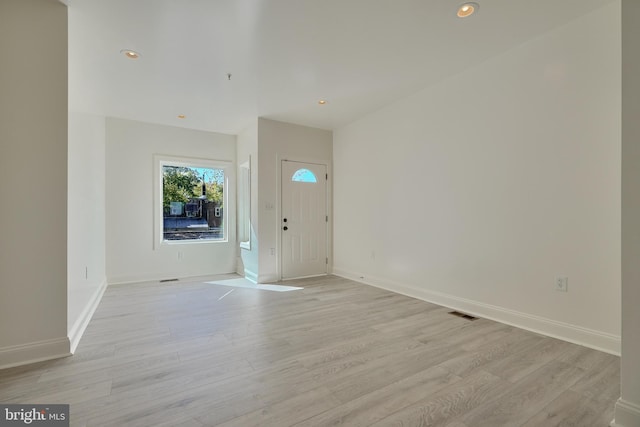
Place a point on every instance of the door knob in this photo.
(285, 228)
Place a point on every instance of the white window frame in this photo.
(161, 160)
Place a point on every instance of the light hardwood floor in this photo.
(336, 353)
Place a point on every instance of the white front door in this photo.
(304, 219)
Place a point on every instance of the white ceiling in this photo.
(283, 55)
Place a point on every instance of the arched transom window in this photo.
(303, 175)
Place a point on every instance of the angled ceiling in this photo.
(283, 55)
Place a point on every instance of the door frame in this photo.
(329, 203)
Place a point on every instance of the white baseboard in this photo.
(268, 278)
(597, 340)
(627, 414)
(250, 275)
(128, 280)
(34, 352)
(78, 328)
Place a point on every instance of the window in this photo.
(244, 204)
(303, 175)
(191, 200)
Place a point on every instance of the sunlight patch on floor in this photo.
(244, 283)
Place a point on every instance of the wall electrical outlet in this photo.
(562, 284)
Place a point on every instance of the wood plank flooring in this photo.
(336, 353)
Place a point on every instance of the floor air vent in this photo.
(463, 315)
(168, 280)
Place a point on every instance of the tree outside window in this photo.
(192, 203)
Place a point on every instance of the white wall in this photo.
(278, 141)
(33, 181)
(477, 192)
(130, 203)
(628, 406)
(248, 150)
(85, 220)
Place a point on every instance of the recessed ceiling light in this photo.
(322, 102)
(467, 9)
(131, 54)
(182, 116)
